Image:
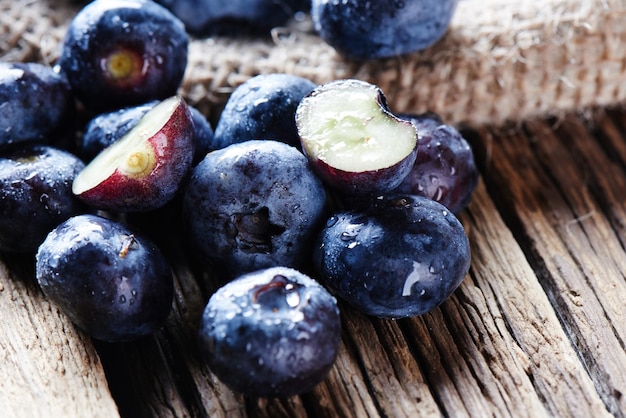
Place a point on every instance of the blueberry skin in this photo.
(263, 107)
(445, 169)
(399, 259)
(104, 129)
(253, 205)
(232, 17)
(111, 282)
(366, 30)
(151, 45)
(270, 333)
(35, 194)
(36, 103)
(203, 135)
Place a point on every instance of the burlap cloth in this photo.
(502, 60)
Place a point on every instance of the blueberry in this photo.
(234, 17)
(105, 128)
(253, 205)
(36, 103)
(401, 258)
(274, 332)
(35, 194)
(203, 135)
(381, 28)
(263, 107)
(445, 169)
(113, 283)
(123, 53)
(352, 140)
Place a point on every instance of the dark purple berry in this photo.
(122, 53)
(274, 332)
(264, 107)
(253, 205)
(445, 169)
(401, 258)
(36, 103)
(233, 17)
(111, 282)
(35, 194)
(381, 28)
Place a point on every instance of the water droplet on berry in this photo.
(293, 299)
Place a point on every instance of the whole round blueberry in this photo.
(203, 135)
(381, 28)
(263, 107)
(113, 283)
(401, 258)
(253, 205)
(234, 17)
(35, 194)
(36, 103)
(122, 53)
(444, 169)
(273, 332)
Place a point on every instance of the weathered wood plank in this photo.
(506, 297)
(47, 367)
(546, 196)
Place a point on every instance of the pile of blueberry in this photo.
(302, 193)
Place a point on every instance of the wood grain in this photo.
(47, 367)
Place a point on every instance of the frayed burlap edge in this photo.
(501, 60)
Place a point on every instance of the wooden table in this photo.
(536, 329)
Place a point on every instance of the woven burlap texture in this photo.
(501, 60)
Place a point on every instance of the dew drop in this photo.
(332, 221)
(31, 175)
(293, 299)
(346, 236)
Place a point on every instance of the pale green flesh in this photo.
(116, 156)
(347, 129)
